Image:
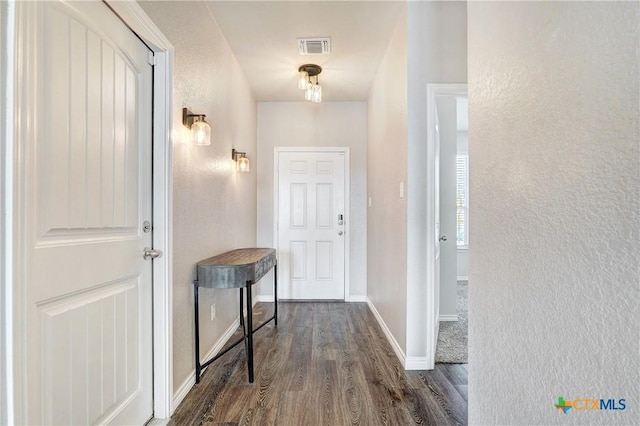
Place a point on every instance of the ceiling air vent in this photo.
(314, 46)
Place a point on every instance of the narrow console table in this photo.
(236, 269)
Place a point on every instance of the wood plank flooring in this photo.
(324, 364)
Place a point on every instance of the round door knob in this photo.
(443, 238)
(340, 232)
(150, 253)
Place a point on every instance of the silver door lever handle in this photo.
(150, 253)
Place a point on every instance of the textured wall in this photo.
(214, 208)
(305, 124)
(386, 163)
(554, 135)
(437, 53)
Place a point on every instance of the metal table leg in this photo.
(249, 333)
(197, 328)
(275, 295)
(244, 331)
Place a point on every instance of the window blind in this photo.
(462, 200)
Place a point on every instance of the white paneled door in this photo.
(311, 225)
(89, 324)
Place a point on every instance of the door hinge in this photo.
(152, 59)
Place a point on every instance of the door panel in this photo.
(324, 264)
(324, 205)
(298, 206)
(68, 391)
(311, 194)
(298, 260)
(89, 290)
(88, 166)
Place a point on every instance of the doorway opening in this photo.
(435, 238)
(454, 228)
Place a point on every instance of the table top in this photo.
(235, 268)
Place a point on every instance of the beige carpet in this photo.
(453, 335)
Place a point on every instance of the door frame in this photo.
(17, 100)
(347, 201)
(431, 302)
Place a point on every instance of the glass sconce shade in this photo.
(243, 165)
(316, 95)
(201, 133)
(308, 93)
(199, 129)
(242, 162)
(303, 80)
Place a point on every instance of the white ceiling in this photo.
(262, 35)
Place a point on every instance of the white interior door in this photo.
(446, 107)
(89, 323)
(437, 230)
(311, 225)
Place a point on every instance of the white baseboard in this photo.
(190, 381)
(463, 278)
(448, 318)
(269, 298)
(392, 341)
(184, 389)
(416, 363)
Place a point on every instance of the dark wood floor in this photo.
(324, 364)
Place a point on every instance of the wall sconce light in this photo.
(200, 129)
(242, 162)
(312, 89)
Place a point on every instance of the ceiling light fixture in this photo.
(307, 82)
